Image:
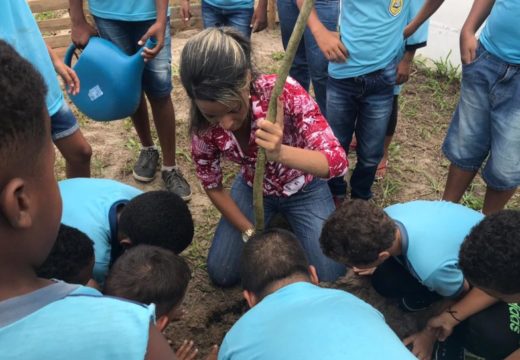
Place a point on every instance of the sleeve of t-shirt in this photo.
(419, 38)
(206, 157)
(313, 127)
(447, 280)
(223, 352)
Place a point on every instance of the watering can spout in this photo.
(110, 79)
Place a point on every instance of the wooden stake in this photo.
(283, 72)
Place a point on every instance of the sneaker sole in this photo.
(142, 178)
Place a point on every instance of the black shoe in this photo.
(176, 183)
(146, 165)
(410, 304)
(449, 349)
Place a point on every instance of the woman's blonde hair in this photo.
(215, 66)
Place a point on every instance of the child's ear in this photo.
(313, 274)
(162, 322)
(383, 255)
(15, 204)
(250, 298)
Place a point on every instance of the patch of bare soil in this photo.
(417, 169)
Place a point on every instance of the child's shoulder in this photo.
(86, 186)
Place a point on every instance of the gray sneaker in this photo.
(176, 183)
(146, 165)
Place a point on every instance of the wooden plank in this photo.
(54, 25)
(38, 6)
(58, 41)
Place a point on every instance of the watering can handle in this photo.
(68, 55)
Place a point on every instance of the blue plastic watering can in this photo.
(110, 79)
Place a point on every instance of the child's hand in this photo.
(185, 11)
(331, 46)
(442, 325)
(364, 272)
(270, 136)
(213, 354)
(157, 32)
(81, 33)
(403, 71)
(187, 351)
(422, 344)
(68, 75)
(468, 47)
(259, 19)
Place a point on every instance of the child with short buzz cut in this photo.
(410, 248)
(487, 320)
(293, 318)
(117, 216)
(153, 275)
(71, 258)
(30, 208)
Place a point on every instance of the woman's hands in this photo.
(270, 135)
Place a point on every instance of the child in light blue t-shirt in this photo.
(117, 216)
(19, 28)
(360, 90)
(41, 318)
(410, 249)
(293, 318)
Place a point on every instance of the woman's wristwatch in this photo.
(246, 235)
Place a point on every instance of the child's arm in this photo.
(468, 42)
(328, 41)
(259, 19)
(156, 31)
(428, 9)
(422, 344)
(404, 67)
(158, 348)
(68, 75)
(514, 356)
(475, 301)
(81, 30)
(270, 137)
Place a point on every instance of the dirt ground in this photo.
(417, 170)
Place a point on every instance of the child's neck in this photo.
(16, 281)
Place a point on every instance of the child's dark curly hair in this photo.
(159, 218)
(356, 233)
(489, 255)
(72, 252)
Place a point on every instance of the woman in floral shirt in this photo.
(229, 105)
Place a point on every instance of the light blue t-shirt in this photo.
(19, 29)
(372, 32)
(303, 321)
(90, 205)
(124, 10)
(82, 325)
(501, 34)
(231, 4)
(432, 232)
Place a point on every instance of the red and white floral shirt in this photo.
(304, 127)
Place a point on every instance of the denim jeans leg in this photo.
(211, 16)
(374, 114)
(342, 112)
(288, 13)
(306, 211)
(328, 12)
(240, 19)
(226, 247)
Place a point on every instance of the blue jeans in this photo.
(306, 212)
(240, 19)
(363, 105)
(486, 123)
(309, 62)
(63, 123)
(157, 74)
